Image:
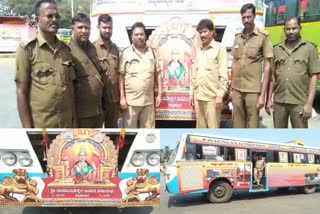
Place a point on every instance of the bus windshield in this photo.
(173, 155)
(278, 10)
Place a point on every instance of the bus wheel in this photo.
(219, 192)
(309, 189)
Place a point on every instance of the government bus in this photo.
(170, 28)
(308, 11)
(80, 167)
(221, 164)
(13, 30)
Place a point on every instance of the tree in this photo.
(25, 8)
(4, 10)
(165, 154)
(20, 8)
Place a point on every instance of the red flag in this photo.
(44, 141)
(122, 138)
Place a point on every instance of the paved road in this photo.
(8, 108)
(273, 202)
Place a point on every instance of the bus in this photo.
(13, 30)
(308, 11)
(80, 167)
(170, 28)
(221, 164)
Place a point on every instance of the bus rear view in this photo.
(80, 167)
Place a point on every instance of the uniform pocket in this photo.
(104, 63)
(253, 51)
(132, 67)
(68, 72)
(43, 73)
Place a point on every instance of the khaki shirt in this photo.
(109, 61)
(210, 75)
(88, 84)
(50, 76)
(248, 55)
(260, 164)
(292, 70)
(139, 75)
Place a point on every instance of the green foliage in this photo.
(165, 154)
(25, 7)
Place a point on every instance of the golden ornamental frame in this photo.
(109, 161)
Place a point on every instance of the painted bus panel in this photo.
(82, 169)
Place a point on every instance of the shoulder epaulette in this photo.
(276, 45)
(126, 48)
(314, 44)
(266, 33)
(24, 43)
(239, 31)
(66, 44)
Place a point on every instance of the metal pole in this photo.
(72, 8)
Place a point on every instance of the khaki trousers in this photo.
(283, 111)
(207, 114)
(245, 111)
(144, 114)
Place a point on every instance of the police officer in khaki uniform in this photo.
(259, 168)
(88, 84)
(294, 78)
(44, 74)
(108, 54)
(209, 78)
(139, 71)
(251, 47)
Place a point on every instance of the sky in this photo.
(310, 137)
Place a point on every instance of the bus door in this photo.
(193, 171)
(259, 178)
(191, 176)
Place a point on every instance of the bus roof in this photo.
(243, 140)
(14, 19)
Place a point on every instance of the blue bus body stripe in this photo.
(40, 175)
(172, 186)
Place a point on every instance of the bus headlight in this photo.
(153, 159)
(25, 159)
(137, 159)
(9, 158)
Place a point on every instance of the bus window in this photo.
(303, 158)
(219, 33)
(317, 159)
(173, 154)
(311, 159)
(290, 157)
(190, 153)
(283, 157)
(296, 158)
(276, 156)
(278, 10)
(230, 154)
(309, 10)
(269, 156)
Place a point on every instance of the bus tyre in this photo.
(219, 192)
(309, 189)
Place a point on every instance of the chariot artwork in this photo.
(82, 170)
